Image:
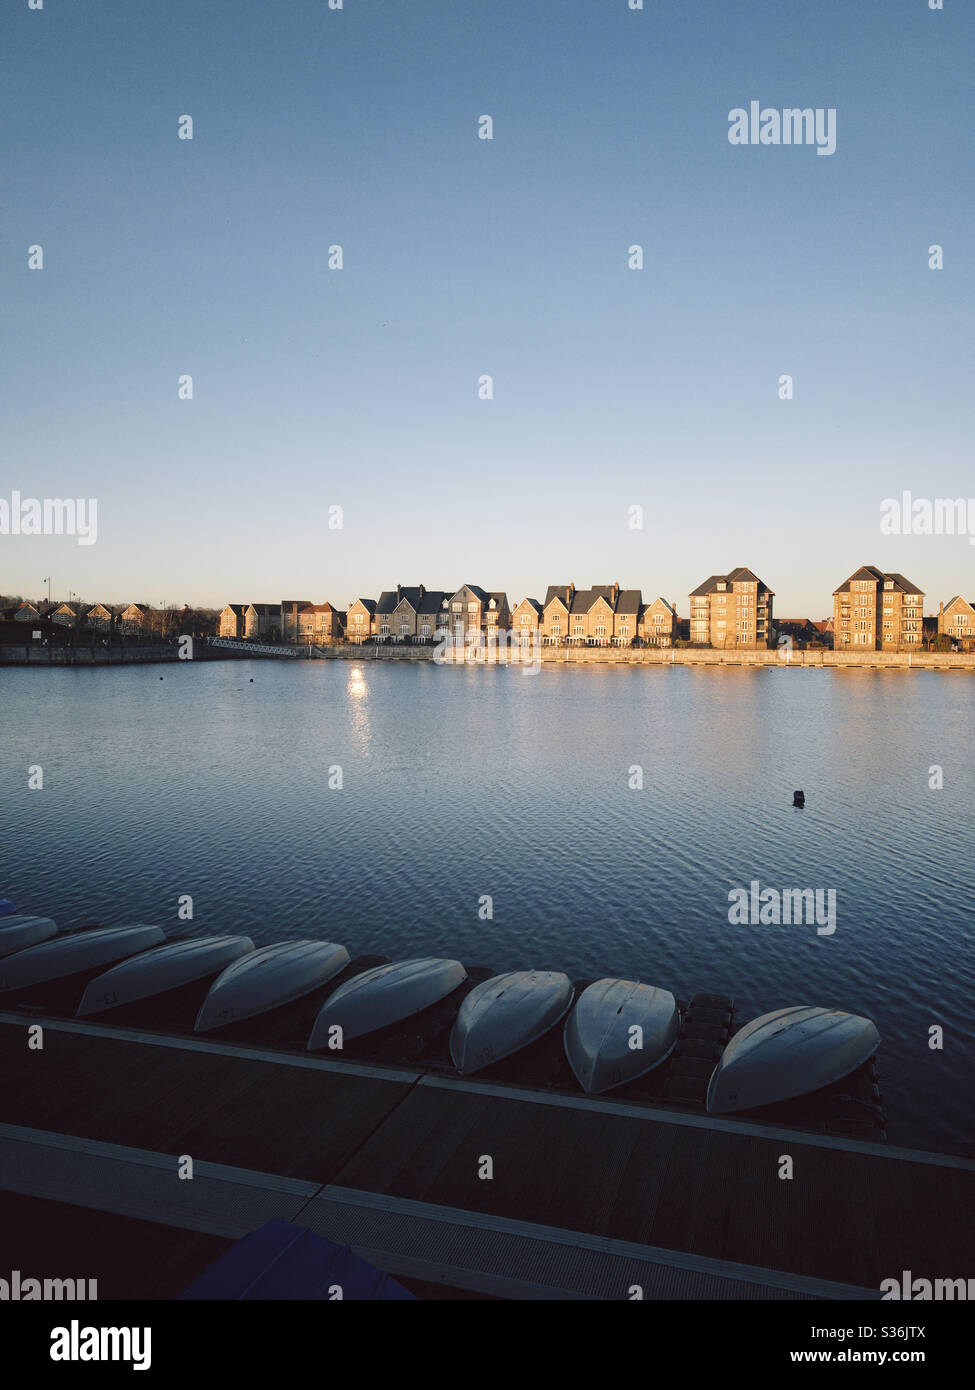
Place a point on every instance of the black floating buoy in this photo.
(798, 798)
(252, 680)
(160, 677)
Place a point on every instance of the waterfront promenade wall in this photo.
(17, 655)
(669, 656)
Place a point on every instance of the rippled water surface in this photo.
(459, 783)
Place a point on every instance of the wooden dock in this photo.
(587, 1198)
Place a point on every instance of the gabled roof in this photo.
(653, 603)
(969, 602)
(562, 592)
(412, 595)
(318, 608)
(475, 589)
(235, 608)
(387, 602)
(533, 603)
(369, 604)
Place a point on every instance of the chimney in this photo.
(941, 609)
(422, 591)
(399, 593)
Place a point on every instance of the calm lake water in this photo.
(463, 782)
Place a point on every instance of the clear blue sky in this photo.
(612, 387)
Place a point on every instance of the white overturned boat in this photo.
(75, 953)
(619, 1030)
(166, 968)
(788, 1053)
(385, 995)
(268, 978)
(505, 1014)
(16, 932)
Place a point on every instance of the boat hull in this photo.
(161, 971)
(505, 1014)
(601, 1043)
(74, 954)
(19, 932)
(787, 1053)
(267, 979)
(386, 995)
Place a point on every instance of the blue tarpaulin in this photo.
(289, 1262)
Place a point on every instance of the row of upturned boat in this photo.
(614, 1030)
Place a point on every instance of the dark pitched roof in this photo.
(872, 572)
(387, 601)
(369, 604)
(629, 601)
(563, 592)
(412, 594)
(432, 601)
(741, 575)
(903, 583)
(709, 586)
(582, 601)
(534, 603)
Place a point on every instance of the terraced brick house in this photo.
(658, 623)
(626, 617)
(99, 617)
(556, 611)
(63, 614)
(956, 620)
(732, 610)
(877, 611)
(526, 618)
(320, 624)
(232, 620)
(476, 610)
(291, 627)
(432, 615)
(360, 620)
(136, 618)
(263, 620)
